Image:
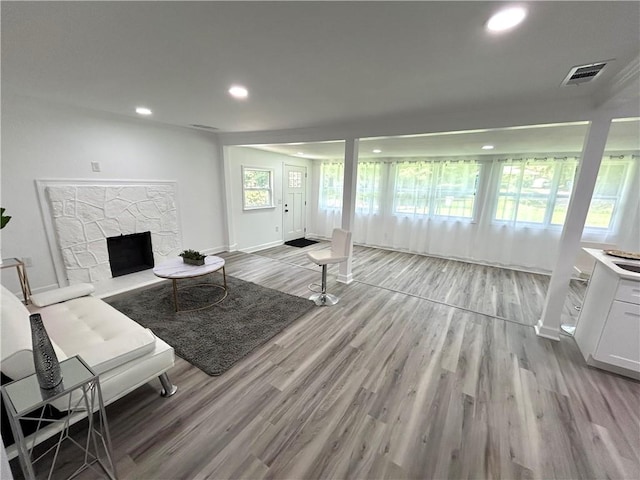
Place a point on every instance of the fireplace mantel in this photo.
(80, 214)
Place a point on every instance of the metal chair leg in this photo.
(324, 298)
(324, 279)
(168, 389)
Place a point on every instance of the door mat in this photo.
(300, 242)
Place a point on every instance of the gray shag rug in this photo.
(213, 339)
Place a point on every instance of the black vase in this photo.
(44, 357)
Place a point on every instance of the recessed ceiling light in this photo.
(143, 111)
(506, 19)
(487, 147)
(300, 153)
(238, 91)
(377, 150)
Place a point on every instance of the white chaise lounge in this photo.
(124, 354)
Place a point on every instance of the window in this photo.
(257, 188)
(535, 191)
(608, 192)
(295, 179)
(438, 189)
(538, 191)
(331, 179)
(368, 189)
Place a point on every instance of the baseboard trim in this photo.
(214, 250)
(262, 247)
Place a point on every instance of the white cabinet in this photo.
(608, 329)
(620, 340)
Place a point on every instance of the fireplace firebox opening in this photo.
(130, 253)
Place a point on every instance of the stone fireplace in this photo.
(83, 214)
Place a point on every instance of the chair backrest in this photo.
(340, 243)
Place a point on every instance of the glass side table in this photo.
(22, 275)
(78, 393)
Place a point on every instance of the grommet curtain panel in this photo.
(506, 211)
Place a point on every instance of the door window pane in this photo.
(295, 179)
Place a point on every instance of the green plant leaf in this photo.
(3, 219)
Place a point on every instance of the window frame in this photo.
(553, 197)
(619, 198)
(269, 189)
(336, 191)
(550, 199)
(432, 193)
(369, 196)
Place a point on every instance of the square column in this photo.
(549, 325)
(349, 201)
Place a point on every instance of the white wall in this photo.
(256, 229)
(47, 141)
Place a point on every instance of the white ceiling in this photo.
(306, 64)
(624, 137)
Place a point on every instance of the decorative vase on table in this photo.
(44, 356)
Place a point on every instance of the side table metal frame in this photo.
(22, 275)
(176, 288)
(97, 432)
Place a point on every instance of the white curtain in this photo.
(516, 242)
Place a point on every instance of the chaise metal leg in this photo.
(324, 298)
(168, 389)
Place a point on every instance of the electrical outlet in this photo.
(28, 262)
(95, 166)
(277, 229)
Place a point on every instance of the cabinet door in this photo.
(620, 341)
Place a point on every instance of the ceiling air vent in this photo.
(583, 73)
(203, 127)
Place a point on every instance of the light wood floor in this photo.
(384, 385)
(502, 293)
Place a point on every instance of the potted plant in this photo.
(4, 219)
(192, 257)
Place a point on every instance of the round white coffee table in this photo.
(175, 269)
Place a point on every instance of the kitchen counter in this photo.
(612, 263)
(608, 329)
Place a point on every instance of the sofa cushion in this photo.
(104, 337)
(15, 337)
(62, 294)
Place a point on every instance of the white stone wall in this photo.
(85, 215)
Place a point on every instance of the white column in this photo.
(349, 201)
(227, 182)
(549, 325)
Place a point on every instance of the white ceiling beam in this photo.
(623, 91)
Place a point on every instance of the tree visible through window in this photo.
(368, 189)
(608, 192)
(332, 177)
(257, 188)
(538, 191)
(440, 189)
(535, 191)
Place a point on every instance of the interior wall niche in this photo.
(82, 215)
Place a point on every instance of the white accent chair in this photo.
(338, 253)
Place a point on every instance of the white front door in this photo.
(295, 201)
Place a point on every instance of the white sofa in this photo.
(124, 354)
